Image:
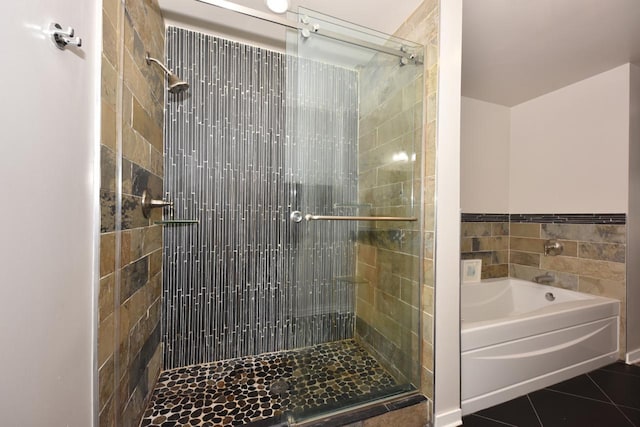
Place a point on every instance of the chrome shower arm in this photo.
(155, 61)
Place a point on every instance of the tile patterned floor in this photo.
(240, 391)
(607, 397)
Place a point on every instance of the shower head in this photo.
(176, 84)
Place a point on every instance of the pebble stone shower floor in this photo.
(239, 391)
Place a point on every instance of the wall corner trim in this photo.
(448, 419)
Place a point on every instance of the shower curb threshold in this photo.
(351, 416)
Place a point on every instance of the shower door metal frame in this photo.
(307, 28)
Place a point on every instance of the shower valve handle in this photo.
(149, 203)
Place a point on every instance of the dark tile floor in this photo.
(260, 390)
(607, 397)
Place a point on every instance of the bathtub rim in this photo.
(479, 334)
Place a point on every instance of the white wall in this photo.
(633, 222)
(447, 292)
(484, 159)
(569, 148)
(48, 156)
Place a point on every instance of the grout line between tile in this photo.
(611, 400)
(493, 419)
(582, 397)
(535, 411)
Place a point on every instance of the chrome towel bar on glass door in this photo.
(297, 216)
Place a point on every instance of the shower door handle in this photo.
(297, 216)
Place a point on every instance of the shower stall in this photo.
(292, 251)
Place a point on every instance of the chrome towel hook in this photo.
(62, 38)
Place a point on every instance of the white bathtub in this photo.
(514, 340)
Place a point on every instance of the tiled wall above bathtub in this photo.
(593, 258)
(486, 237)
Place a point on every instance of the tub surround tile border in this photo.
(476, 217)
(586, 218)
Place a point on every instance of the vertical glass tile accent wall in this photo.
(248, 144)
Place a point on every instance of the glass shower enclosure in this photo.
(291, 257)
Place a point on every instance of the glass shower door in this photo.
(354, 119)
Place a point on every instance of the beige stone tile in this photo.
(427, 299)
(412, 416)
(426, 382)
(106, 376)
(108, 126)
(127, 107)
(427, 327)
(106, 339)
(110, 40)
(428, 272)
(154, 368)
(499, 228)
(364, 310)
(526, 245)
(500, 257)
(410, 292)
(107, 253)
(430, 156)
(475, 229)
(496, 243)
(136, 245)
(602, 287)
(125, 247)
(111, 8)
(427, 355)
(155, 263)
(602, 251)
(151, 239)
(136, 308)
(569, 248)
(135, 148)
(134, 406)
(108, 83)
(367, 254)
(429, 244)
(107, 415)
(107, 169)
(525, 230)
(146, 126)
(106, 297)
(123, 385)
(466, 245)
(495, 271)
(368, 141)
(585, 232)
(585, 267)
(525, 258)
(388, 327)
(368, 273)
(156, 162)
(561, 279)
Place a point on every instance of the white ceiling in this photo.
(516, 50)
(381, 15)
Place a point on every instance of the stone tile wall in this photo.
(129, 350)
(388, 302)
(488, 241)
(423, 26)
(593, 258)
(392, 301)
